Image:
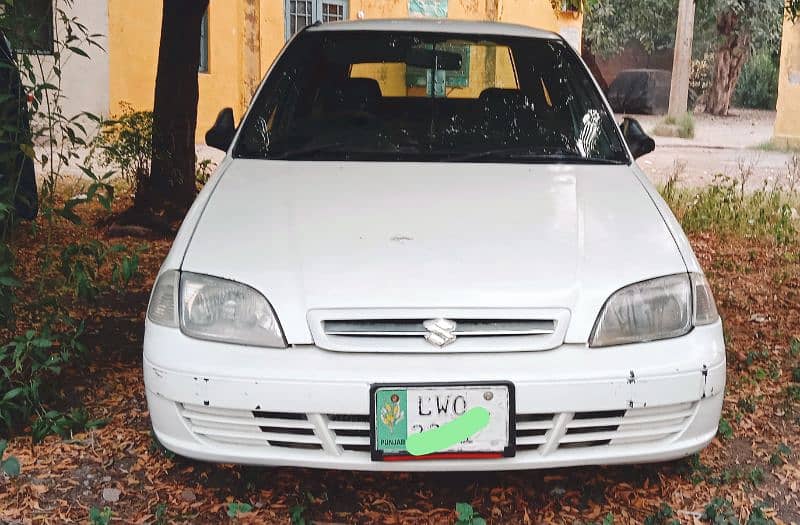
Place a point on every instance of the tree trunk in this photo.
(171, 184)
(732, 53)
(594, 68)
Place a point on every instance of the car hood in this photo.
(325, 235)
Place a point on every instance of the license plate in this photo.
(459, 412)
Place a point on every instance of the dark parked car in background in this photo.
(17, 174)
(643, 91)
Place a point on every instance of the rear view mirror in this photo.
(221, 133)
(430, 59)
(639, 142)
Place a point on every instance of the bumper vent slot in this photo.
(351, 432)
(532, 430)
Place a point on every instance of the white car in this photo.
(429, 248)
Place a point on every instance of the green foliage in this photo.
(794, 347)
(683, 126)
(64, 425)
(609, 25)
(720, 512)
(204, 170)
(160, 514)
(125, 143)
(9, 465)
(609, 519)
(725, 207)
(663, 516)
(793, 392)
(700, 77)
(235, 508)
(756, 476)
(82, 265)
(792, 9)
(297, 514)
(778, 457)
(28, 366)
(725, 429)
(747, 405)
(796, 374)
(698, 470)
(757, 517)
(466, 515)
(758, 81)
(100, 517)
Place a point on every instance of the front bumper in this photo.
(309, 407)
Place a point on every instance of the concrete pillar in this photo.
(682, 60)
(787, 121)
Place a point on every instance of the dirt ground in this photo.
(722, 145)
(120, 466)
(755, 465)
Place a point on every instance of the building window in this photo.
(301, 13)
(32, 26)
(204, 44)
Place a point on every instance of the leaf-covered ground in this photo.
(755, 463)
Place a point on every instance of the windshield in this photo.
(403, 96)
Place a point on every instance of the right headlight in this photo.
(659, 308)
(215, 309)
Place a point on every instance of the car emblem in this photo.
(440, 332)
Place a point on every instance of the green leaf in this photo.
(8, 281)
(235, 508)
(11, 466)
(11, 394)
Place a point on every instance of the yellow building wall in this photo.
(135, 27)
(134, 34)
(787, 120)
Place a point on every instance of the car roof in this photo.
(434, 25)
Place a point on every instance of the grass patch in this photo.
(726, 206)
(780, 146)
(682, 126)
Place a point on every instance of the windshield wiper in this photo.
(306, 150)
(523, 152)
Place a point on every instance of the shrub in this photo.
(758, 82)
(726, 207)
(700, 77)
(125, 143)
(28, 365)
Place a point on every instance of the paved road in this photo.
(722, 145)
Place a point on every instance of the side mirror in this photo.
(639, 142)
(221, 133)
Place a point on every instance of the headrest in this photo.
(494, 97)
(354, 94)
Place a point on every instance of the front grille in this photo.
(465, 330)
(416, 328)
(335, 434)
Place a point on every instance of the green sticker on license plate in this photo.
(390, 420)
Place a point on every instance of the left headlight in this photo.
(215, 309)
(659, 308)
(222, 310)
